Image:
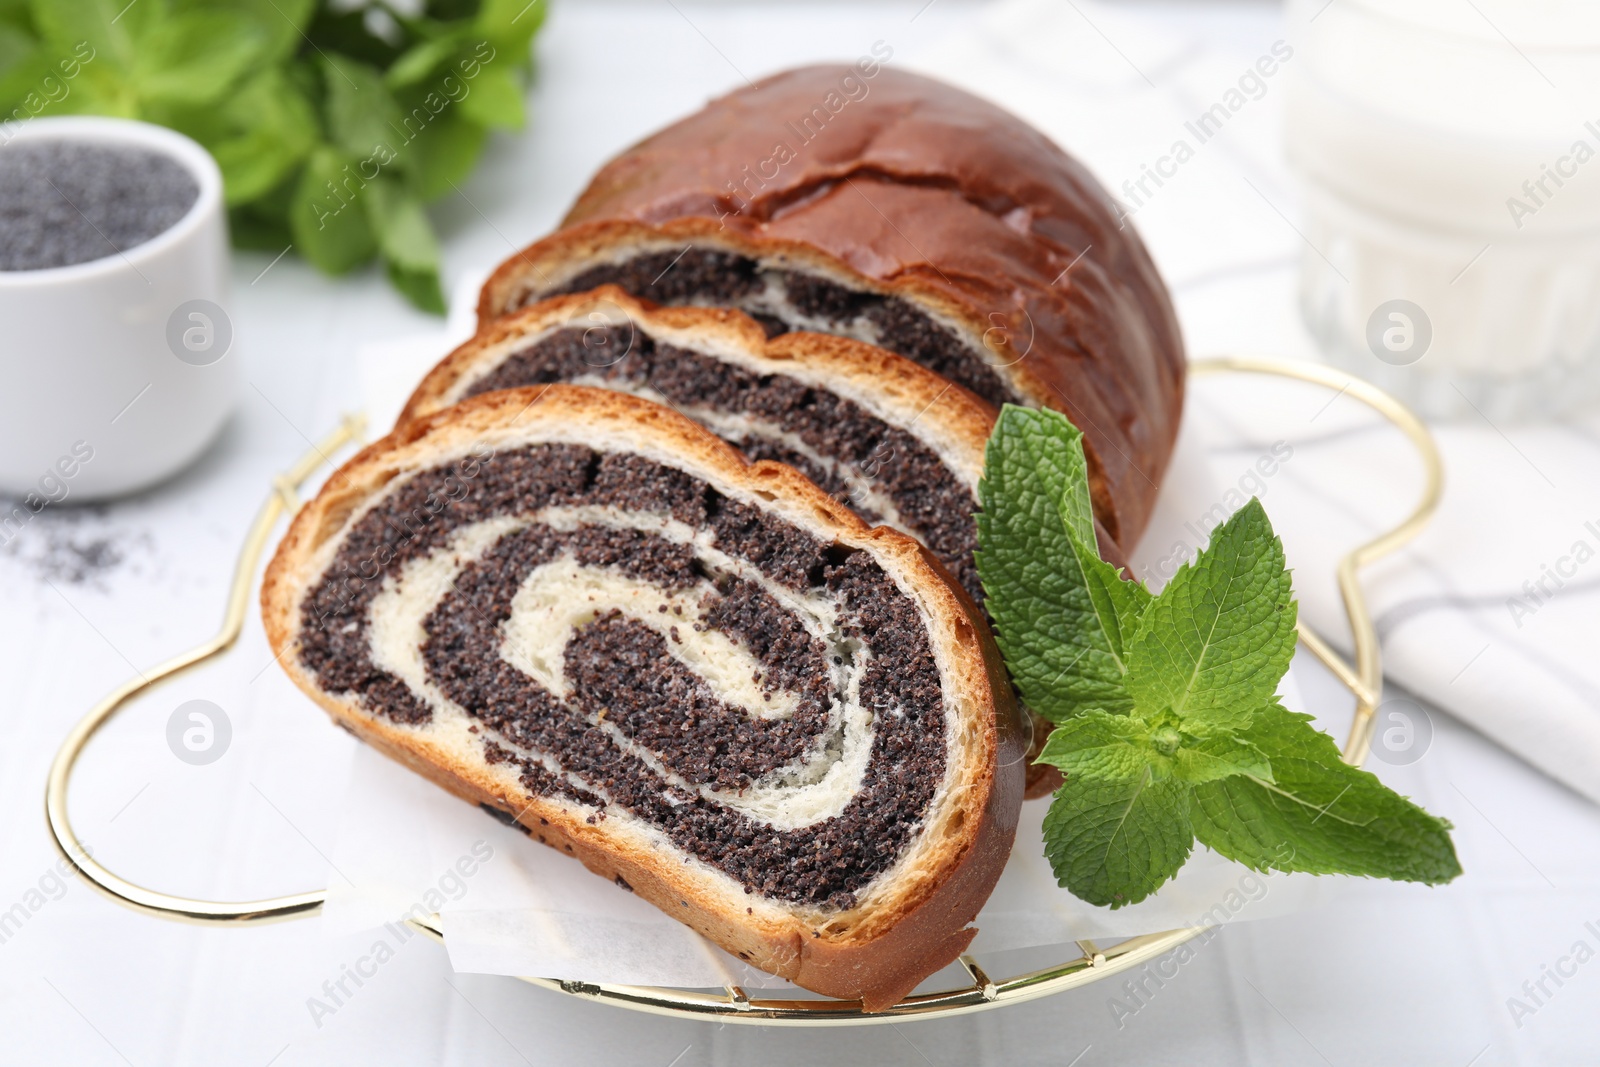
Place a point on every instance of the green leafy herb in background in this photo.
(333, 123)
(1167, 726)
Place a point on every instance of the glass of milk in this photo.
(1450, 159)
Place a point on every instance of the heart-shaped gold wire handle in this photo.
(1364, 679)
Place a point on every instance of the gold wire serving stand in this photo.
(1363, 678)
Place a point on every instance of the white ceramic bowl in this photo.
(112, 376)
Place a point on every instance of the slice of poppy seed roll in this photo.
(888, 438)
(892, 441)
(701, 676)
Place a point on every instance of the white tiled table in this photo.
(1384, 974)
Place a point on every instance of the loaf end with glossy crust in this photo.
(918, 190)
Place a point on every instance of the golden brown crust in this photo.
(877, 955)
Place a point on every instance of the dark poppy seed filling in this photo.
(783, 299)
(635, 729)
(619, 671)
(537, 779)
(928, 499)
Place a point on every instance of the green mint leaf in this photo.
(1115, 598)
(1318, 814)
(420, 286)
(1095, 744)
(262, 134)
(65, 23)
(441, 154)
(24, 66)
(255, 229)
(194, 57)
(1116, 842)
(1061, 614)
(16, 13)
(1215, 644)
(342, 28)
(326, 217)
(404, 233)
(405, 238)
(264, 223)
(362, 114)
(282, 21)
(418, 62)
(1206, 759)
(494, 98)
(511, 24)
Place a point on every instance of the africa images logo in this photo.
(1399, 332)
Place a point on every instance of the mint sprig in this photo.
(1168, 728)
(334, 121)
